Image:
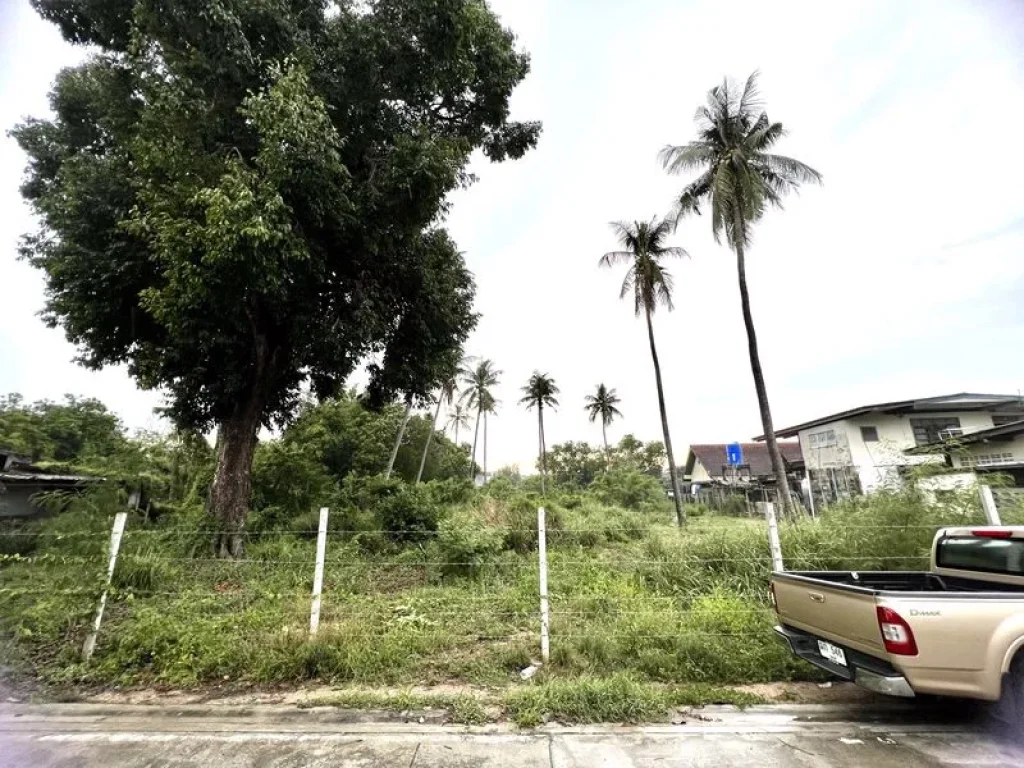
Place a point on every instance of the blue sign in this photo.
(734, 454)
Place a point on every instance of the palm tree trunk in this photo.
(472, 458)
(540, 449)
(485, 447)
(676, 495)
(430, 436)
(398, 439)
(604, 437)
(778, 468)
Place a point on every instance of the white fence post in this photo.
(545, 616)
(318, 573)
(115, 545)
(773, 536)
(988, 503)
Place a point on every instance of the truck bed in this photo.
(879, 582)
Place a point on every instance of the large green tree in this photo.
(739, 177)
(540, 391)
(240, 196)
(650, 283)
(75, 431)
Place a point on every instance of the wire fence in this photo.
(505, 594)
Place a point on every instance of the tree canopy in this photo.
(240, 196)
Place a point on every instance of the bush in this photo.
(465, 543)
(628, 488)
(450, 492)
(404, 513)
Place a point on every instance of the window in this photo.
(927, 430)
(999, 420)
(979, 554)
(987, 460)
(869, 434)
(825, 439)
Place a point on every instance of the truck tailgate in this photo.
(842, 613)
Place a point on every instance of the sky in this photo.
(902, 276)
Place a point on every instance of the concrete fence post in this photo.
(318, 571)
(545, 616)
(988, 503)
(115, 545)
(773, 536)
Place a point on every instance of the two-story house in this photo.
(864, 449)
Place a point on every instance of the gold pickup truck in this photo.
(955, 630)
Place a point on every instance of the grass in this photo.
(618, 698)
(459, 708)
(640, 609)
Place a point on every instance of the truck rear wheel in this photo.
(1011, 705)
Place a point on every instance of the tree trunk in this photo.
(472, 458)
(540, 450)
(485, 447)
(398, 439)
(778, 468)
(676, 495)
(231, 490)
(604, 438)
(430, 436)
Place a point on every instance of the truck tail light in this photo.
(988, 533)
(896, 633)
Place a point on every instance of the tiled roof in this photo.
(713, 457)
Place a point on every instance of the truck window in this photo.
(981, 554)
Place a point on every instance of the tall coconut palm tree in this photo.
(738, 179)
(540, 391)
(488, 405)
(477, 383)
(458, 418)
(398, 438)
(602, 404)
(648, 280)
(447, 394)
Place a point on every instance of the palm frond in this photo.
(795, 171)
(612, 258)
(750, 99)
(686, 157)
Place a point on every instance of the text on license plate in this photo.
(833, 653)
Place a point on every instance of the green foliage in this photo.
(629, 488)
(241, 205)
(619, 698)
(405, 513)
(465, 543)
(76, 430)
(577, 464)
(460, 708)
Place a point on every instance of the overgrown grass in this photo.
(633, 599)
(618, 698)
(459, 708)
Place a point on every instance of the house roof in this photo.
(961, 401)
(1003, 431)
(713, 457)
(43, 478)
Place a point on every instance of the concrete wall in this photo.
(15, 501)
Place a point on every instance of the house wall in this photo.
(990, 454)
(699, 474)
(877, 462)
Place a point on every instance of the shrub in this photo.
(628, 488)
(452, 491)
(403, 512)
(465, 543)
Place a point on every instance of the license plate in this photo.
(833, 653)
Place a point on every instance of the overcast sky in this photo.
(901, 277)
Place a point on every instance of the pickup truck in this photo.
(954, 630)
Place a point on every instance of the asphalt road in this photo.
(68, 735)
